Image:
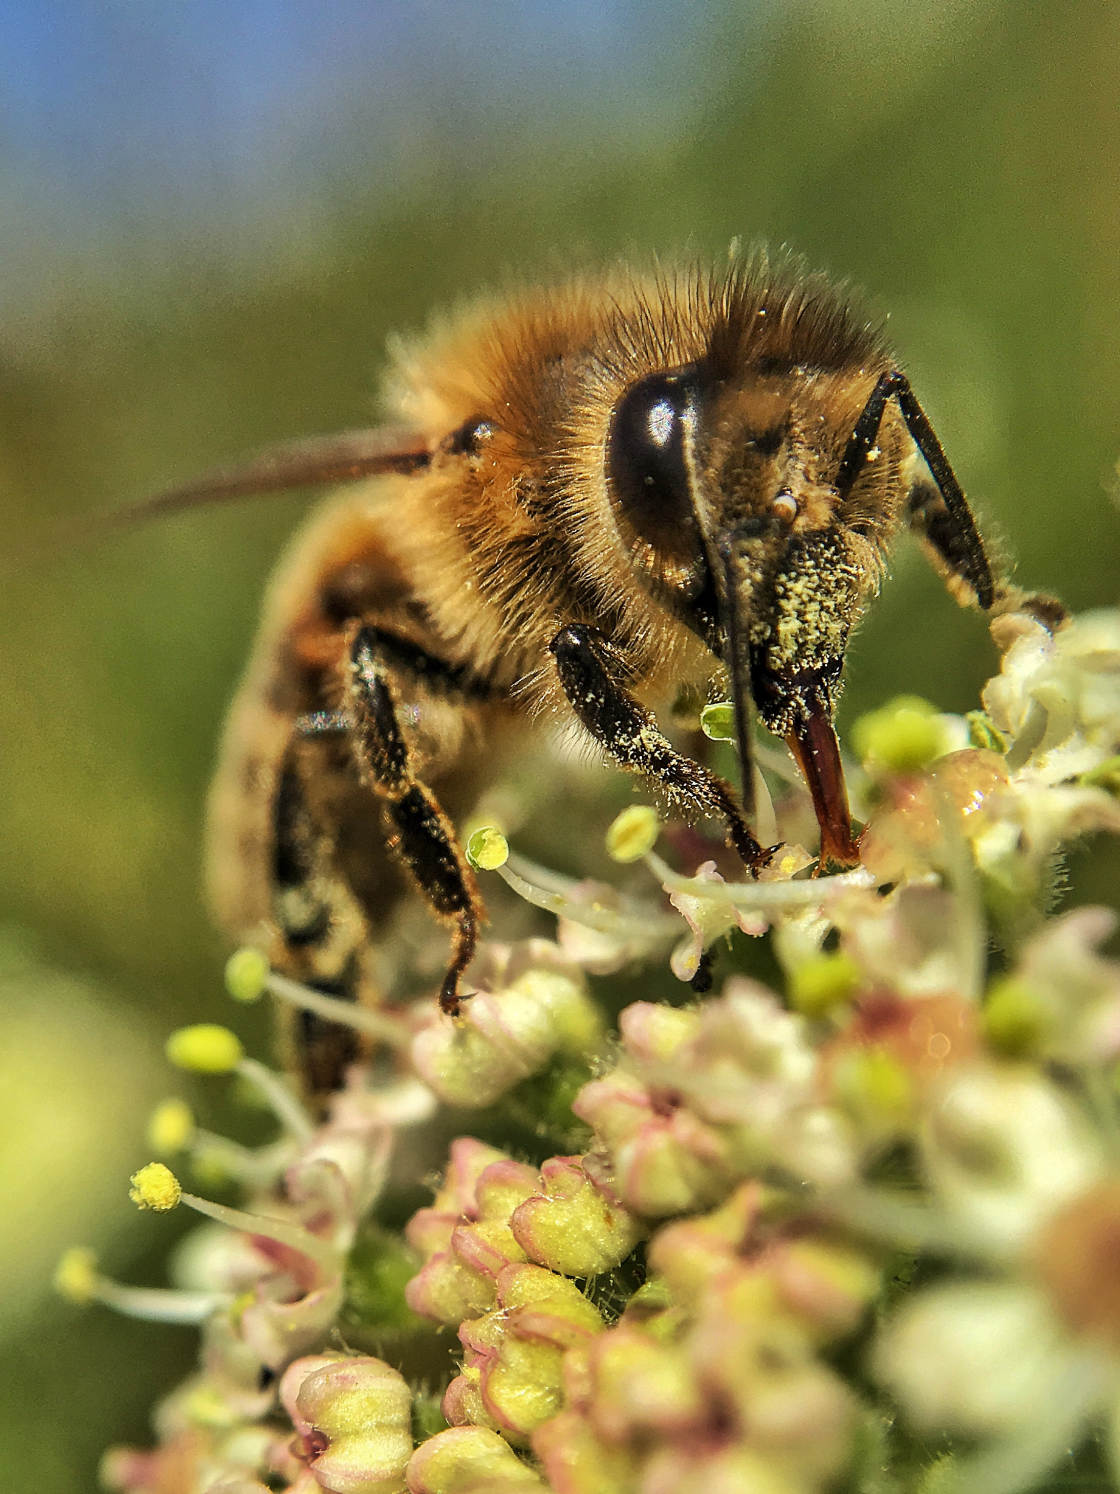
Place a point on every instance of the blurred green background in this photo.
(210, 219)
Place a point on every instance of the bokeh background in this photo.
(212, 215)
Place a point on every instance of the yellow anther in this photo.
(247, 973)
(155, 1187)
(205, 1048)
(75, 1276)
(170, 1126)
(487, 849)
(632, 833)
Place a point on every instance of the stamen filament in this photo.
(804, 893)
(280, 1230)
(391, 1031)
(159, 1304)
(899, 1220)
(288, 1110)
(565, 898)
(251, 1166)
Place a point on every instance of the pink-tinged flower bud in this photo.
(515, 1354)
(468, 1252)
(469, 1460)
(468, 1159)
(760, 1366)
(642, 1386)
(353, 1418)
(462, 1403)
(430, 1229)
(691, 1254)
(575, 1225)
(826, 1285)
(537, 1006)
(486, 1247)
(717, 1469)
(447, 1291)
(502, 1186)
(654, 1033)
(576, 1461)
(823, 1284)
(665, 1159)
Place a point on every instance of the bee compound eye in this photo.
(647, 458)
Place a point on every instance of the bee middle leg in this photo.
(630, 734)
(421, 833)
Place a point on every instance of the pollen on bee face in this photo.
(816, 602)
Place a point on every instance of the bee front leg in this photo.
(589, 677)
(939, 513)
(421, 834)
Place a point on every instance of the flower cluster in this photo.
(860, 1203)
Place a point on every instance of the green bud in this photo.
(873, 1084)
(487, 849)
(1014, 1021)
(822, 983)
(717, 721)
(902, 736)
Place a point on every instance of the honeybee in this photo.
(589, 496)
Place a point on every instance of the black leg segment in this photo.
(946, 522)
(589, 676)
(421, 834)
(311, 910)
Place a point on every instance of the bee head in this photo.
(725, 500)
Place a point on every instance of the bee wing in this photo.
(314, 462)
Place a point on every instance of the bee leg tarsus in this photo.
(590, 679)
(701, 981)
(451, 999)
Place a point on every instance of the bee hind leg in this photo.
(321, 932)
(630, 734)
(420, 832)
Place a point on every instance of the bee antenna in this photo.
(345, 457)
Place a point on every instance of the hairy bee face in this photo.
(726, 501)
(725, 486)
